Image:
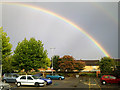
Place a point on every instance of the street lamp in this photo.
(52, 58)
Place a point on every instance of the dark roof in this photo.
(95, 62)
(91, 62)
(117, 60)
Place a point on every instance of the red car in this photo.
(109, 79)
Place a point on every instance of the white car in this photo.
(29, 80)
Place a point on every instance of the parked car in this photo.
(4, 86)
(109, 79)
(9, 77)
(29, 80)
(55, 76)
(38, 75)
(47, 81)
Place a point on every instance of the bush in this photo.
(29, 73)
(88, 74)
(91, 74)
(61, 74)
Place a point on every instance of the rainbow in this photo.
(107, 12)
(65, 20)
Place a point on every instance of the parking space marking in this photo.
(89, 83)
(97, 84)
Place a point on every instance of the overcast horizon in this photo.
(100, 20)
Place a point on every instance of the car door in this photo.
(30, 80)
(56, 76)
(107, 78)
(14, 77)
(23, 80)
(113, 79)
(53, 76)
(9, 78)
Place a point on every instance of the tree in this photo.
(6, 46)
(79, 65)
(68, 63)
(55, 62)
(8, 65)
(31, 55)
(107, 65)
(5, 50)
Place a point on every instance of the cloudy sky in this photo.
(99, 19)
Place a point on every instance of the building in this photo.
(91, 65)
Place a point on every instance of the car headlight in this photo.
(1, 87)
(48, 80)
(62, 77)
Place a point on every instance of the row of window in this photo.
(111, 77)
(28, 77)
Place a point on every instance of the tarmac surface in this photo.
(83, 82)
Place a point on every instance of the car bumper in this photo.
(41, 84)
(5, 87)
(50, 82)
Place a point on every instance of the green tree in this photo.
(107, 65)
(6, 46)
(8, 65)
(31, 55)
(55, 62)
(5, 50)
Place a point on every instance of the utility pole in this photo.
(0, 56)
(52, 58)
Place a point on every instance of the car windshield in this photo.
(11, 75)
(16, 75)
(35, 77)
(42, 77)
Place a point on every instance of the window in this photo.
(23, 77)
(35, 77)
(29, 78)
(15, 75)
(111, 77)
(106, 77)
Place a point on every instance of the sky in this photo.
(99, 19)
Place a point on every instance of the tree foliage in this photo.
(79, 65)
(55, 62)
(107, 65)
(6, 46)
(5, 50)
(31, 55)
(68, 63)
(8, 66)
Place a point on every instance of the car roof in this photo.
(108, 75)
(10, 73)
(25, 75)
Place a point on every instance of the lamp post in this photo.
(52, 58)
(0, 69)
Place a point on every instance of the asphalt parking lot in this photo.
(72, 82)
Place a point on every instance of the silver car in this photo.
(10, 77)
(4, 86)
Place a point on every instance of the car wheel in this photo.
(4, 81)
(49, 78)
(18, 84)
(119, 83)
(103, 82)
(60, 78)
(45, 83)
(36, 84)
